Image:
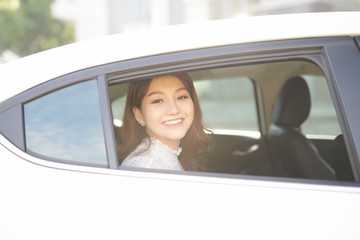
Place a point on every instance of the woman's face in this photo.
(167, 110)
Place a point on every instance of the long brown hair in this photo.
(195, 142)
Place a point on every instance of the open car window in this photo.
(238, 104)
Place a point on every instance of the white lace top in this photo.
(158, 156)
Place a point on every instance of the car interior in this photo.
(268, 119)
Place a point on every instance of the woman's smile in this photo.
(174, 122)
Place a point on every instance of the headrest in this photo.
(293, 104)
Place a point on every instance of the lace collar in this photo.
(160, 147)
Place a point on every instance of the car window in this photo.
(238, 106)
(228, 104)
(66, 125)
(322, 119)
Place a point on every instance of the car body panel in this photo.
(92, 205)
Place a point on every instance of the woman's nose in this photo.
(173, 107)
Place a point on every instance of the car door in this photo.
(48, 192)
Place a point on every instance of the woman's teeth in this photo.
(172, 122)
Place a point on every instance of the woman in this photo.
(162, 125)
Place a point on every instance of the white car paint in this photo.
(88, 203)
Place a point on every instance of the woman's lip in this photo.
(173, 122)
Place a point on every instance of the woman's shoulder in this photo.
(138, 161)
(139, 158)
(153, 155)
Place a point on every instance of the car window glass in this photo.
(66, 125)
(227, 103)
(322, 119)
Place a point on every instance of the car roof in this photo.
(24, 73)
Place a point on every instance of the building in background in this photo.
(94, 18)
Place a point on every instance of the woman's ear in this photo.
(138, 116)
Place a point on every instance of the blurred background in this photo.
(30, 26)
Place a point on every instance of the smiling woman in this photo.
(162, 121)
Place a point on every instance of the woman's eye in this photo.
(183, 97)
(157, 101)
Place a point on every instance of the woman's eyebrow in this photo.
(154, 93)
(181, 89)
(160, 92)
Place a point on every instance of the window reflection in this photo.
(67, 125)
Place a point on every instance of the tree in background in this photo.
(27, 26)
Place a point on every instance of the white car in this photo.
(280, 93)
